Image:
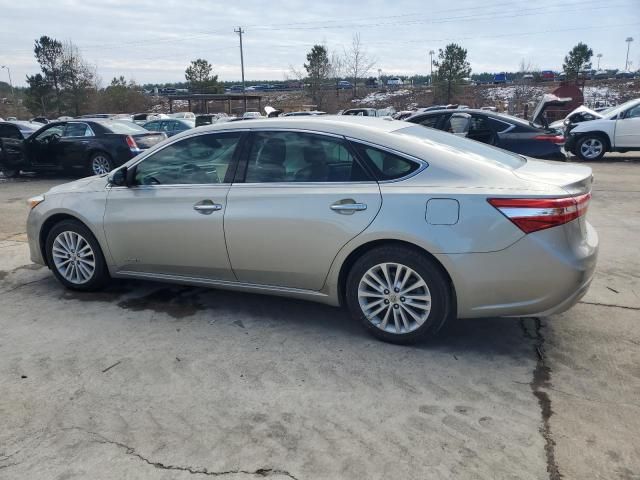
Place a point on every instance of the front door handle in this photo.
(348, 207)
(207, 207)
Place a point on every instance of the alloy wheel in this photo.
(394, 298)
(591, 148)
(73, 257)
(100, 165)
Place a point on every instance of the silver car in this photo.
(406, 226)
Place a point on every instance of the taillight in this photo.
(533, 214)
(133, 146)
(557, 139)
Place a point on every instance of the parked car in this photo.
(251, 115)
(142, 118)
(41, 120)
(92, 147)
(617, 131)
(361, 112)
(624, 74)
(458, 229)
(533, 138)
(170, 127)
(547, 76)
(185, 115)
(209, 118)
(344, 85)
(304, 113)
(601, 75)
(401, 115)
(394, 82)
(500, 78)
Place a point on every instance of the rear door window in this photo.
(431, 121)
(77, 130)
(301, 157)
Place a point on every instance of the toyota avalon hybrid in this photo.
(407, 227)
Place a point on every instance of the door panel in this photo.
(170, 221)
(156, 229)
(288, 235)
(628, 132)
(306, 196)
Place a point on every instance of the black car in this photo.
(18, 130)
(531, 138)
(92, 147)
(170, 126)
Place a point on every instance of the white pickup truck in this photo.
(617, 131)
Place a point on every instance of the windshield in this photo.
(486, 152)
(124, 127)
(620, 108)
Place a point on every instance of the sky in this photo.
(152, 41)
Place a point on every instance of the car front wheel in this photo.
(591, 147)
(399, 294)
(75, 257)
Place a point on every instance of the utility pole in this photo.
(240, 31)
(431, 53)
(599, 57)
(626, 63)
(13, 93)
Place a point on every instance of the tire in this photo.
(10, 172)
(99, 163)
(75, 246)
(415, 318)
(590, 147)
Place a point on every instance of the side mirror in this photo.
(118, 177)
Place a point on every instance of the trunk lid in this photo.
(548, 100)
(574, 179)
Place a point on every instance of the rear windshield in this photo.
(491, 154)
(124, 127)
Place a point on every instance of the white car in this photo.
(394, 81)
(579, 115)
(617, 131)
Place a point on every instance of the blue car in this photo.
(344, 85)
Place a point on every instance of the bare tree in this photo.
(524, 91)
(357, 63)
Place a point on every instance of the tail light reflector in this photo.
(557, 139)
(533, 214)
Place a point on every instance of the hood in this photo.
(580, 110)
(272, 112)
(88, 184)
(572, 178)
(547, 100)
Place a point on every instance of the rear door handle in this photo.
(207, 208)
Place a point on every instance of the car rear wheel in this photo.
(398, 294)
(75, 257)
(591, 147)
(100, 163)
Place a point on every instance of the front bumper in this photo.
(570, 143)
(34, 223)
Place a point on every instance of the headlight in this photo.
(35, 201)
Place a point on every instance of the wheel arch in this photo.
(350, 260)
(48, 224)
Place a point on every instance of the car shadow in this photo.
(487, 337)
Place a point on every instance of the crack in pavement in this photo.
(542, 380)
(23, 285)
(610, 305)
(260, 472)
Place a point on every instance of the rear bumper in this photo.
(544, 273)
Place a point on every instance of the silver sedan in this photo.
(406, 226)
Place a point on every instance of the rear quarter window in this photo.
(385, 165)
